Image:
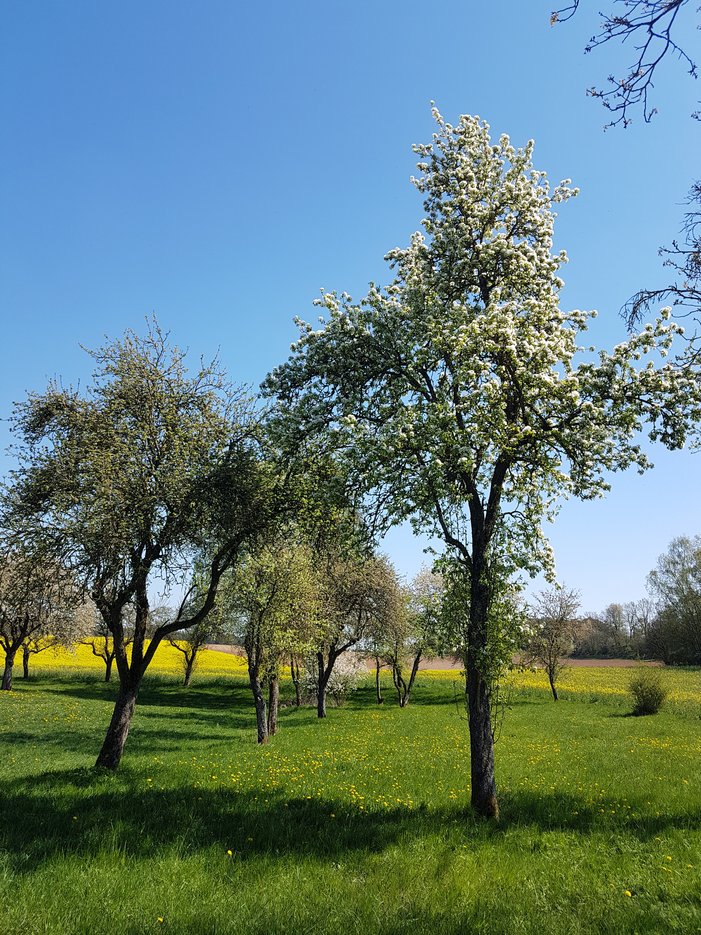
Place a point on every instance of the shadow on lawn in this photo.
(86, 812)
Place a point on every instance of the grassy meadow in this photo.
(356, 824)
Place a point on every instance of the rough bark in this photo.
(552, 685)
(273, 705)
(116, 737)
(108, 667)
(7, 674)
(483, 786)
(25, 662)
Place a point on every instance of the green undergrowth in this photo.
(355, 824)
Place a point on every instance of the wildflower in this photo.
(627, 893)
(229, 853)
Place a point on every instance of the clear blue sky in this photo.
(219, 162)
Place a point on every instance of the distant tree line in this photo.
(665, 625)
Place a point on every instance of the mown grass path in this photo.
(355, 824)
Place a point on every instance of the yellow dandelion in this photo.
(627, 893)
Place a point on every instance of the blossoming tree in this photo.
(457, 394)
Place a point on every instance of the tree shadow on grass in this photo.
(87, 812)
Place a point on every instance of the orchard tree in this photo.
(419, 633)
(41, 606)
(189, 643)
(359, 596)
(270, 601)
(552, 628)
(456, 394)
(101, 644)
(127, 481)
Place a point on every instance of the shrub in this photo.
(648, 691)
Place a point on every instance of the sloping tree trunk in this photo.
(406, 688)
(131, 673)
(25, 662)
(113, 746)
(273, 704)
(109, 659)
(551, 679)
(7, 674)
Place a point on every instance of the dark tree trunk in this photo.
(483, 794)
(399, 683)
(7, 674)
(108, 667)
(259, 699)
(25, 662)
(403, 687)
(378, 688)
(296, 681)
(113, 746)
(552, 685)
(323, 681)
(273, 704)
(412, 677)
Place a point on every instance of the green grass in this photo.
(357, 824)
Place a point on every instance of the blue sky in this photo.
(217, 163)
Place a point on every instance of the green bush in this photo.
(648, 691)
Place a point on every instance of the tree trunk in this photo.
(484, 797)
(378, 688)
(483, 786)
(259, 699)
(412, 677)
(25, 662)
(7, 674)
(296, 681)
(113, 746)
(323, 681)
(273, 704)
(321, 701)
(399, 684)
(108, 667)
(552, 685)
(189, 664)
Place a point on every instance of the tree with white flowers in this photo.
(459, 393)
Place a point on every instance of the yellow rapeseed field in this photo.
(167, 659)
(592, 682)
